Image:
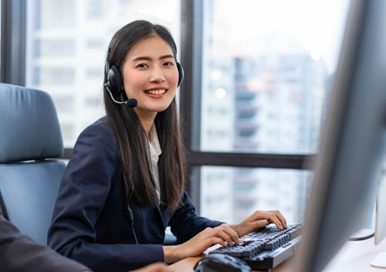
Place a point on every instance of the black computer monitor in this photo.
(345, 179)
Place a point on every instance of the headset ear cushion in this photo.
(114, 80)
(180, 73)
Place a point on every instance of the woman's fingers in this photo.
(232, 233)
(272, 217)
(281, 218)
(227, 234)
(222, 234)
(209, 237)
(278, 219)
(261, 223)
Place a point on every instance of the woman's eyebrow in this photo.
(167, 57)
(149, 58)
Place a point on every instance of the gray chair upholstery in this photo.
(30, 140)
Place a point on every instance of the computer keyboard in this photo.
(266, 248)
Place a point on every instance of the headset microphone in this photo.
(113, 86)
(132, 102)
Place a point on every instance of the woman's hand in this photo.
(260, 219)
(222, 234)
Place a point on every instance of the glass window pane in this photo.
(266, 69)
(231, 194)
(66, 50)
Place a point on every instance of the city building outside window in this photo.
(266, 71)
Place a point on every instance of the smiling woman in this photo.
(125, 181)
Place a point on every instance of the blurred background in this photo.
(257, 78)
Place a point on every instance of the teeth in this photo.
(160, 91)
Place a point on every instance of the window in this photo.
(230, 194)
(66, 51)
(266, 69)
(257, 78)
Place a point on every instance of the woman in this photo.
(124, 184)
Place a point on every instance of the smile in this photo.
(156, 92)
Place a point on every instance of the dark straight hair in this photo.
(131, 138)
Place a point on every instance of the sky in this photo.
(314, 25)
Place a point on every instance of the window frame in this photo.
(13, 47)
(190, 112)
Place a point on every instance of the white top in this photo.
(155, 152)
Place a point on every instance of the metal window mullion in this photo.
(13, 41)
(190, 95)
(254, 160)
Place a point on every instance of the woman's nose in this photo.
(157, 75)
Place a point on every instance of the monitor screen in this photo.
(348, 164)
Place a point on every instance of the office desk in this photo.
(354, 256)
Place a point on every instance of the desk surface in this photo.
(186, 265)
(354, 256)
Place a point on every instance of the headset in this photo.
(113, 82)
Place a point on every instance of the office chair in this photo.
(30, 140)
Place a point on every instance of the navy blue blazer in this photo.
(92, 223)
(19, 253)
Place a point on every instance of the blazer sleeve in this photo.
(83, 192)
(185, 223)
(19, 253)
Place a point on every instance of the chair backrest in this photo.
(30, 140)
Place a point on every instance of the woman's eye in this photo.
(169, 63)
(142, 65)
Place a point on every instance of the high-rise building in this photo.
(266, 99)
(274, 107)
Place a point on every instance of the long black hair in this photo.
(131, 138)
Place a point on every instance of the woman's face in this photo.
(150, 75)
